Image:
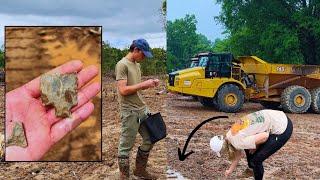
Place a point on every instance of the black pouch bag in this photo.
(156, 127)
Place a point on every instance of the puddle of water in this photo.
(174, 175)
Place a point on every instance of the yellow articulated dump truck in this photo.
(223, 82)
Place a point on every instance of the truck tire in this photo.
(270, 104)
(315, 100)
(207, 102)
(295, 99)
(229, 98)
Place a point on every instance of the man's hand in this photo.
(150, 83)
(156, 81)
(42, 128)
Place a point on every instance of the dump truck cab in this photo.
(215, 71)
(216, 64)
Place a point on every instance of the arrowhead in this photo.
(183, 156)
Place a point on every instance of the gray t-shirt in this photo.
(130, 71)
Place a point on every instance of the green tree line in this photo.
(184, 42)
(153, 66)
(280, 31)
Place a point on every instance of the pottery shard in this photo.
(17, 137)
(59, 91)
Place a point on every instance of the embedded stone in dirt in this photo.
(17, 137)
(59, 91)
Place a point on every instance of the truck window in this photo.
(203, 61)
(194, 64)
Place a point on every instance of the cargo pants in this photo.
(130, 125)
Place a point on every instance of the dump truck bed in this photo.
(253, 64)
(276, 77)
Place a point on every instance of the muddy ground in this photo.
(298, 159)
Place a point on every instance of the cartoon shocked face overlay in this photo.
(240, 124)
(246, 121)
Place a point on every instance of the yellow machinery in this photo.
(225, 83)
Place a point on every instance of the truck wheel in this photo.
(295, 99)
(207, 102)
(270, 104)
(315, 100)
(229, 98)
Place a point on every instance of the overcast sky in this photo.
(122, 21)
(204, 10)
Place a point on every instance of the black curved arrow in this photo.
(182, 155)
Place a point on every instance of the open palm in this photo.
(42, 128)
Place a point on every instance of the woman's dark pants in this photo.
(272, 145)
